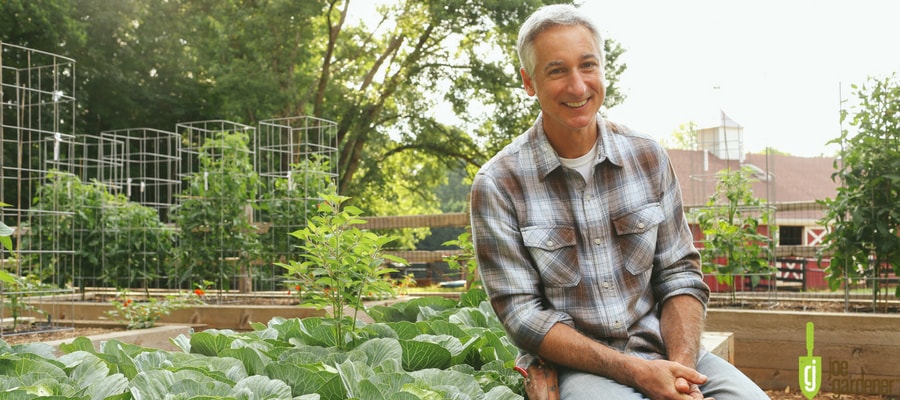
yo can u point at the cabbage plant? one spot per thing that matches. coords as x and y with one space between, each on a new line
425 348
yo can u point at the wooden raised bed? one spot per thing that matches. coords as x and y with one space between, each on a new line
860 352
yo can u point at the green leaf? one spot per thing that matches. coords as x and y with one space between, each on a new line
472 298
209 344
89 371
333 389
302 379
499 346
7 277
29 370
418 355
108 388
5 230
501 393
183 342
441 327
152 384
204 388
263 388
405 329
39 349
379 350
381 313
254 361
118 356
451 382
471 317
353 374
225 369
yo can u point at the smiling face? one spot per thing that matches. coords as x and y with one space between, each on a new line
568 82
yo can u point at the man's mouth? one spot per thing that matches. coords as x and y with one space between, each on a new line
578 104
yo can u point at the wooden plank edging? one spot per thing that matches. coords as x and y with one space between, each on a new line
859 352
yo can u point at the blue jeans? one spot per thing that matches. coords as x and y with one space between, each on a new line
725 382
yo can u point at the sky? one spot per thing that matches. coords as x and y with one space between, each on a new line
779 68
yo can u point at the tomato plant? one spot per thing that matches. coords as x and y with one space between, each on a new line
217 240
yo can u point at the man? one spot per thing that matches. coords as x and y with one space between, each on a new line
581 240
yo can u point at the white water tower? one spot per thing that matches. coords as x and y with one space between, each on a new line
725 141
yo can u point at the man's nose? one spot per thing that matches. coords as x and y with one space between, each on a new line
576 84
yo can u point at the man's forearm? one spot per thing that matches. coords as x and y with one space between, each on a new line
681 324
563 345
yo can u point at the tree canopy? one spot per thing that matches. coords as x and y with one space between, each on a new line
417 88
683 138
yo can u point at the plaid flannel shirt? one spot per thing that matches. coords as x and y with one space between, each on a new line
600 256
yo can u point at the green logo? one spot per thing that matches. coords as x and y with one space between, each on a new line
810 367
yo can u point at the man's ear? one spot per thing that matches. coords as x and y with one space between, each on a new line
527 82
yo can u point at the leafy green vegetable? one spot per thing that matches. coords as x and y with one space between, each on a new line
440 350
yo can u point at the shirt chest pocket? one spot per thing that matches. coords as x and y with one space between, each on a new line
555 254
636 237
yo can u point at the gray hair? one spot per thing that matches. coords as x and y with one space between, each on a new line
547 17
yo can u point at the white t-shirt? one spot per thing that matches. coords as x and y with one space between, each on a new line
583 164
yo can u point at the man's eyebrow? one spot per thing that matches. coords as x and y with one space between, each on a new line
556 63
551 64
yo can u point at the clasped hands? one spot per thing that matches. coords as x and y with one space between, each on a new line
665 380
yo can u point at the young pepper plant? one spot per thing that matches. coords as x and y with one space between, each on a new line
341 264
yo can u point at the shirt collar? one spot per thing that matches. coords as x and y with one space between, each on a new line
546 160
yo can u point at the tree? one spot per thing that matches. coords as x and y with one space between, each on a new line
864 216
683 138
769 150
134 64
430 82
380 84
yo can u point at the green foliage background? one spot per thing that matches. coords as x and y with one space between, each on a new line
417 88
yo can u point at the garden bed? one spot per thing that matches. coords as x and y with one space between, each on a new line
858 351
768 327
43 335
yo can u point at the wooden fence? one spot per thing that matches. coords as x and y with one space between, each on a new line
451 220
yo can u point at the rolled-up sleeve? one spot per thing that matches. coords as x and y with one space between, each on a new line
677 261
507 270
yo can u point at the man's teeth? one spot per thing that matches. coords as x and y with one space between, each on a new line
578 104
